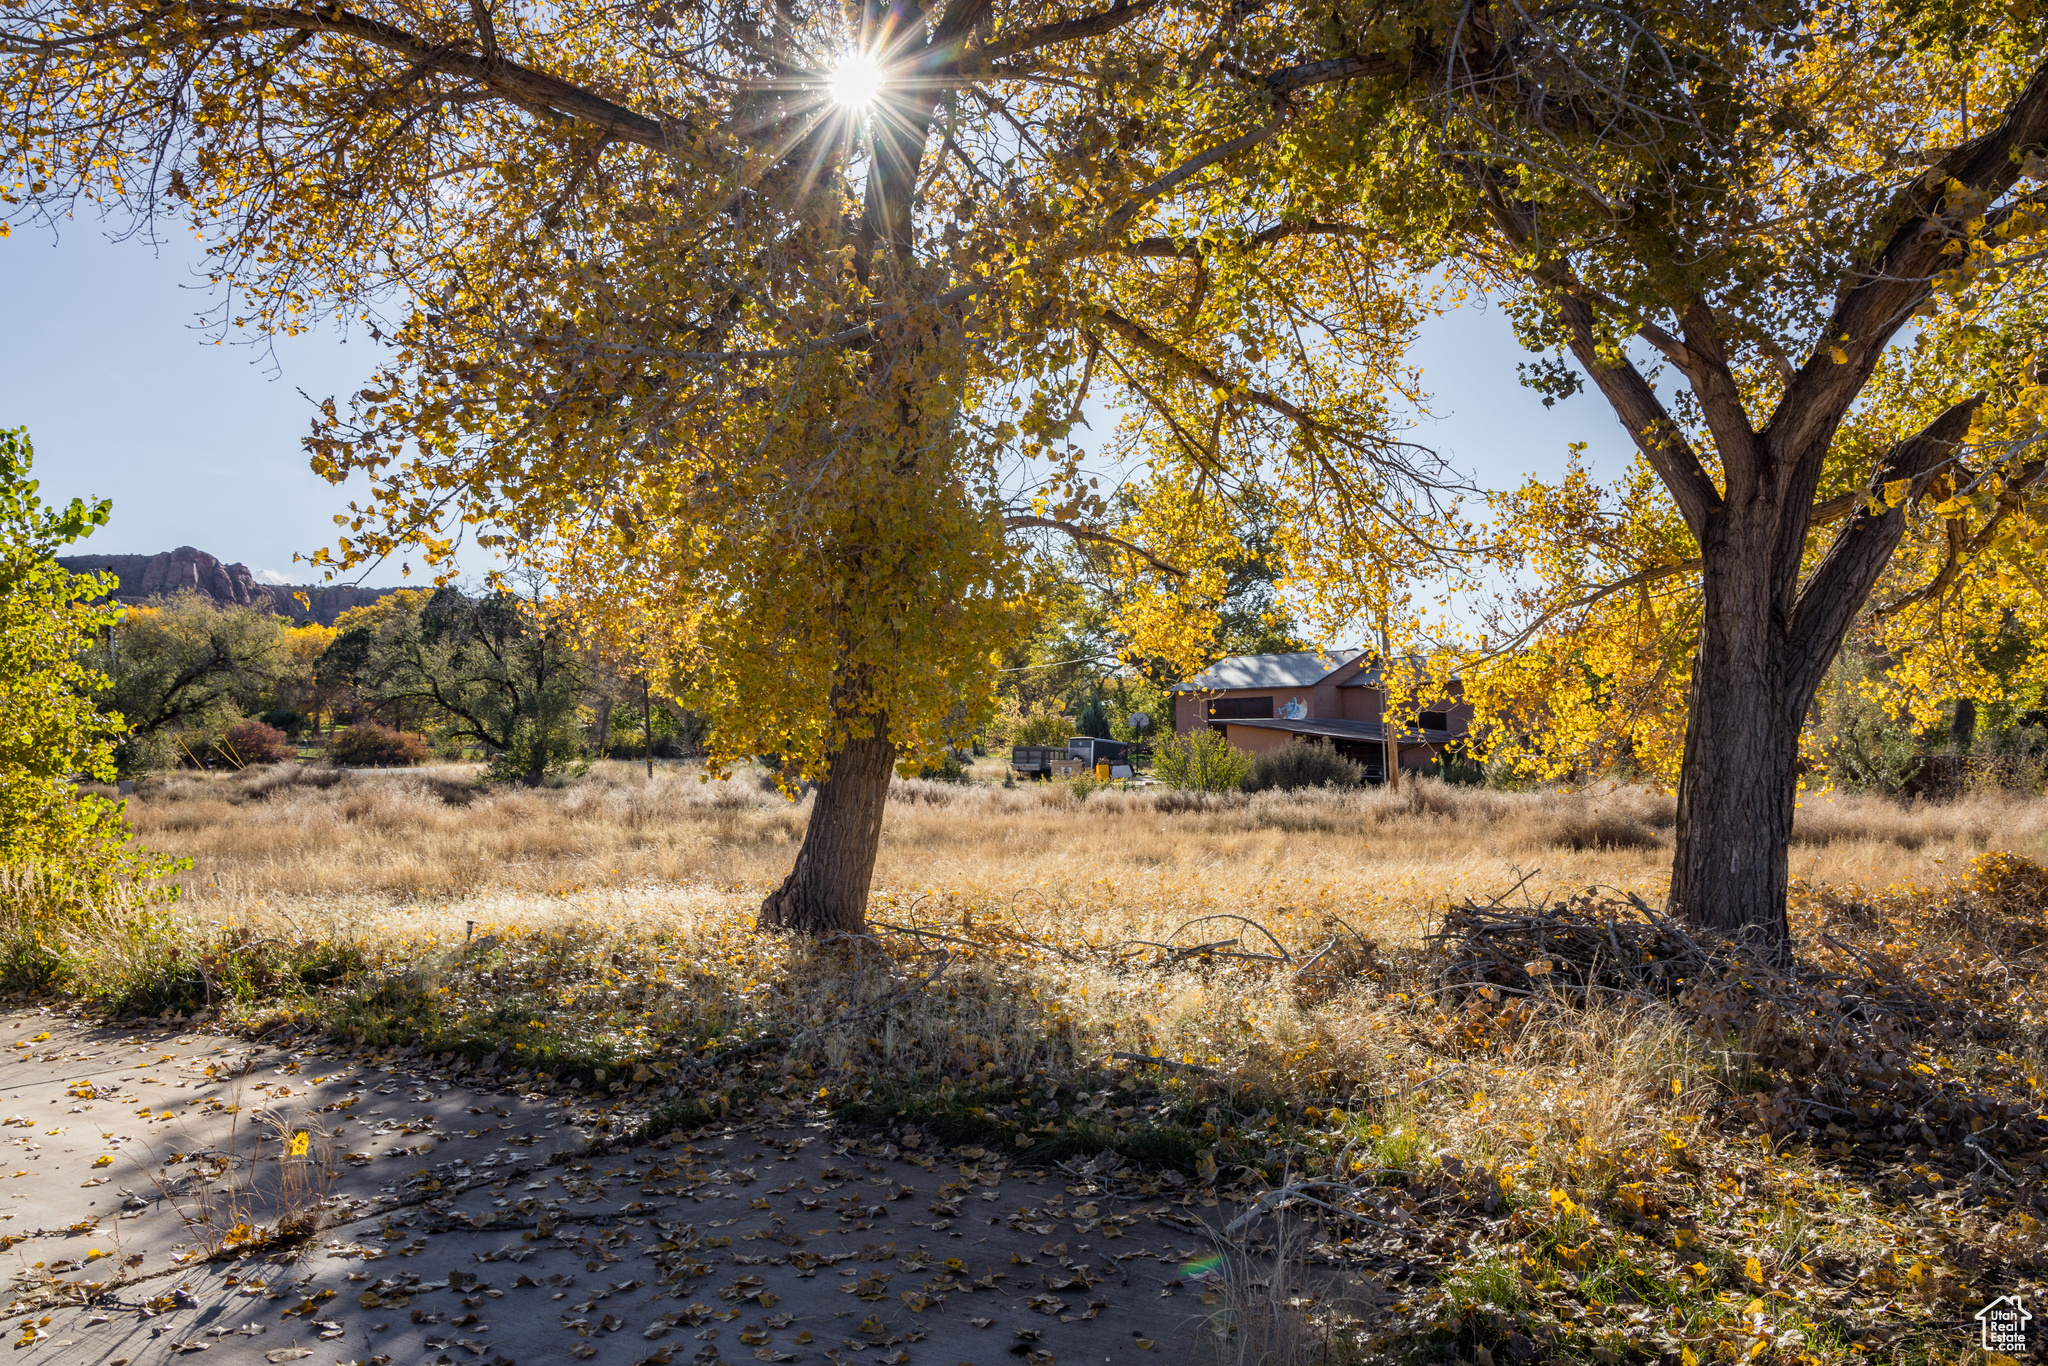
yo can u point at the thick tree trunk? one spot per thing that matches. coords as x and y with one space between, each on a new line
1767 639
1735 791
827 891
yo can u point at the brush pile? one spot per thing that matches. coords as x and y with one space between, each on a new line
1580 948
1881 1042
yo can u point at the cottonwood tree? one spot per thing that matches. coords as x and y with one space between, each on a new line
1794 250
493 668
1728 217
765 328
185 663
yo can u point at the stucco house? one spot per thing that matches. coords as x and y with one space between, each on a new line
1331 697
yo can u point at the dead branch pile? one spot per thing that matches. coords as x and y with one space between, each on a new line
1583 947
1878 1042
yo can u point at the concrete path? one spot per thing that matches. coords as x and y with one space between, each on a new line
457 1225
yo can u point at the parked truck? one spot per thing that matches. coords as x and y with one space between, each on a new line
1080 755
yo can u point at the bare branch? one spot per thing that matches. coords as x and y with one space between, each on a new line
1648 424
1193 166
1193 249
1084 533
1642 578
1160 349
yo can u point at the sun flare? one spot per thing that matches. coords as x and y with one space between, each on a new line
856 81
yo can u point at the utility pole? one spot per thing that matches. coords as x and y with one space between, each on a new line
1387 732
113 647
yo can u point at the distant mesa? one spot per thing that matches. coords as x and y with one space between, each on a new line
155 576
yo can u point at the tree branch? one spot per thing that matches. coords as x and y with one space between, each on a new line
1276 87
534 90
1835 509
1656 435
1642 578
1962 549
1163 350
1193 166
1066 31
1083 533
1670 347
1883 293
1193 249
1713 384
1328 72
1840 584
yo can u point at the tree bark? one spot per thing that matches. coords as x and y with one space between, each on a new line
1736 786
827 891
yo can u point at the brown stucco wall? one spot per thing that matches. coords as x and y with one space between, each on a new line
1255 739
1359 704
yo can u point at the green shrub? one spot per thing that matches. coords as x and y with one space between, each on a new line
543 747
1297 764
946 770
1044 730
1201 761
64 848
370 745
1863 746
1462 770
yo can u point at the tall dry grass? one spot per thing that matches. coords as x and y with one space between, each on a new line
403 865
289 839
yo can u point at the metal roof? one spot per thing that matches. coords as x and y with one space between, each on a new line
1297 670
1343 730
1328 726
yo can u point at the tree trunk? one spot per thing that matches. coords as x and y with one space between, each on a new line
1767 640
1735 790
827 891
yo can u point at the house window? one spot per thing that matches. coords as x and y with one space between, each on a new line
1242 709
1434 720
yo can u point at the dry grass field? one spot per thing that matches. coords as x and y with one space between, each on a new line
316 843
1660 1152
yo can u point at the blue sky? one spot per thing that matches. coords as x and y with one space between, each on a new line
103 361
197 443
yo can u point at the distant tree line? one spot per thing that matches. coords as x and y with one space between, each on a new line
420 673
1859 738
